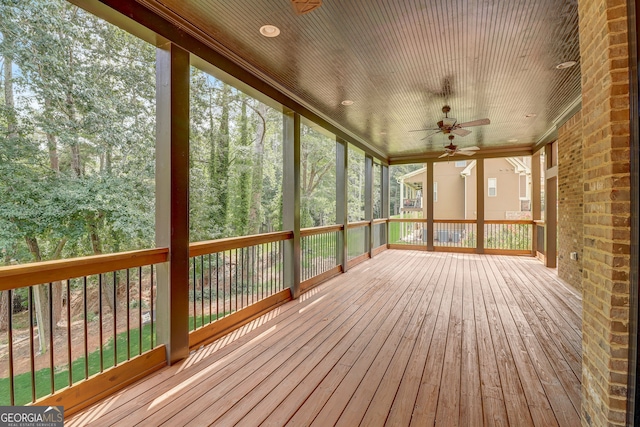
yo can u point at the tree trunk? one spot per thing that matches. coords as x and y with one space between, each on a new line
40 300
57 287
5 310
255 207
52 146
220 163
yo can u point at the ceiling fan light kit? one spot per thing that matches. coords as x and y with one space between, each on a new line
452 150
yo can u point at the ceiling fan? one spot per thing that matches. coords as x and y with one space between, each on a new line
452 150
450 125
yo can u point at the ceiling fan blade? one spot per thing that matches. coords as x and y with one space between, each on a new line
475 123
430 135
461 132
422 130
472 148
443 155
466 153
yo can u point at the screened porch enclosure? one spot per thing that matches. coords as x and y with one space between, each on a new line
257 265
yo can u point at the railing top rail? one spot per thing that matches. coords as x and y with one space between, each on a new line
18 276
358 224
221 245
508 221
380 220
455 221
319 230
407 220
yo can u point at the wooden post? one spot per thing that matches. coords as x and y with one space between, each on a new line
550 207
341 199
291 200
368 201
429 198
536 201
172 198
480 195
385 200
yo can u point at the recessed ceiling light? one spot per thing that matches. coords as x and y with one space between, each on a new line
512 140
531 115
269 31
347 102
566 64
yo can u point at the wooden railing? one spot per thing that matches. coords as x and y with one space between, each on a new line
83 319
500 236
508 236
357 241
320 254
234 280
455 234
408 233
231 282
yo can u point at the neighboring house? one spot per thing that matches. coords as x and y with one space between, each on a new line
507 190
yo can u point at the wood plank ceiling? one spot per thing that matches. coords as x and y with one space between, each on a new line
400 61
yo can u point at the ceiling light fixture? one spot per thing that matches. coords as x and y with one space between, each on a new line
512 140
269 31
347 102
530 115
566 64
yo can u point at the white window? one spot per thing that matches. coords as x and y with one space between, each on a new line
435 191
461 163
492 187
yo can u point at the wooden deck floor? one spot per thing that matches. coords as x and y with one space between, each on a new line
409 338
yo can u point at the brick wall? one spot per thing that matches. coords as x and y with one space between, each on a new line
570 192
605 284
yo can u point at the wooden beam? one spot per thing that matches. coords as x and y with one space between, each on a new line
385 199
172 197
291 200
342 200
429 197
480 206
368 201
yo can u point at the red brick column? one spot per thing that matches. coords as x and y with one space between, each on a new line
605 282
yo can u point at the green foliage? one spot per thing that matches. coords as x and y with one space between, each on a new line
318 178
77 141
236 162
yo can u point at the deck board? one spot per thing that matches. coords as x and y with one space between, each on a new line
407 338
